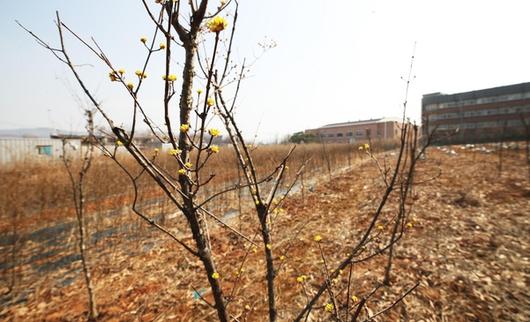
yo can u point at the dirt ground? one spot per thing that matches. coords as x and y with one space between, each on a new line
467 247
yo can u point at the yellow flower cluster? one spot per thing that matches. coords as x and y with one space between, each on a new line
380 227
354 298
121 71
301 278
214 149
170 77
215 275
317 238
329 307
199 91
217 24
140 74
282 258
143 39
210 101
162 45
214 132
119 143
409 225
182 171
188 165
269 246
184 128
174 151
130 86
365 146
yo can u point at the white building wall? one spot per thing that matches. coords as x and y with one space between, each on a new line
32 149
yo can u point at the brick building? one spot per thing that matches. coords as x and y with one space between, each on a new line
486 115
350 132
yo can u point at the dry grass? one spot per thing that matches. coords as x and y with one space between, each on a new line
467 247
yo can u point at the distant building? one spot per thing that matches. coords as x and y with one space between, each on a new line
31 149
350 132
486 115
40 149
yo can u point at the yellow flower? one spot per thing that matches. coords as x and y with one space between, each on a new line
214 149
366 146
317 238
113 77
121 71
214 132
156 150
269 246
174 151
130 86
188 165
182 171
143 39
215 275
210 101
380 227
254 249
301 278
170 77
354 298
409 225
199 91
184 128
162 45
119 143
140 74
217 24
282 258
329 307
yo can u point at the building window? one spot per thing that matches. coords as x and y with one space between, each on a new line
350 134
340 135
359 133
44 149
330 135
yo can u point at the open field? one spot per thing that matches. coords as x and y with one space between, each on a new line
467 246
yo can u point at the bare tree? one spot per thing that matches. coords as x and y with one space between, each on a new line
77 181
185 26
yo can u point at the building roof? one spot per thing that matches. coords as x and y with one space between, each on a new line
436 98
361 122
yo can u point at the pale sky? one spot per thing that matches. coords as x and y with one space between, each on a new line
335 61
